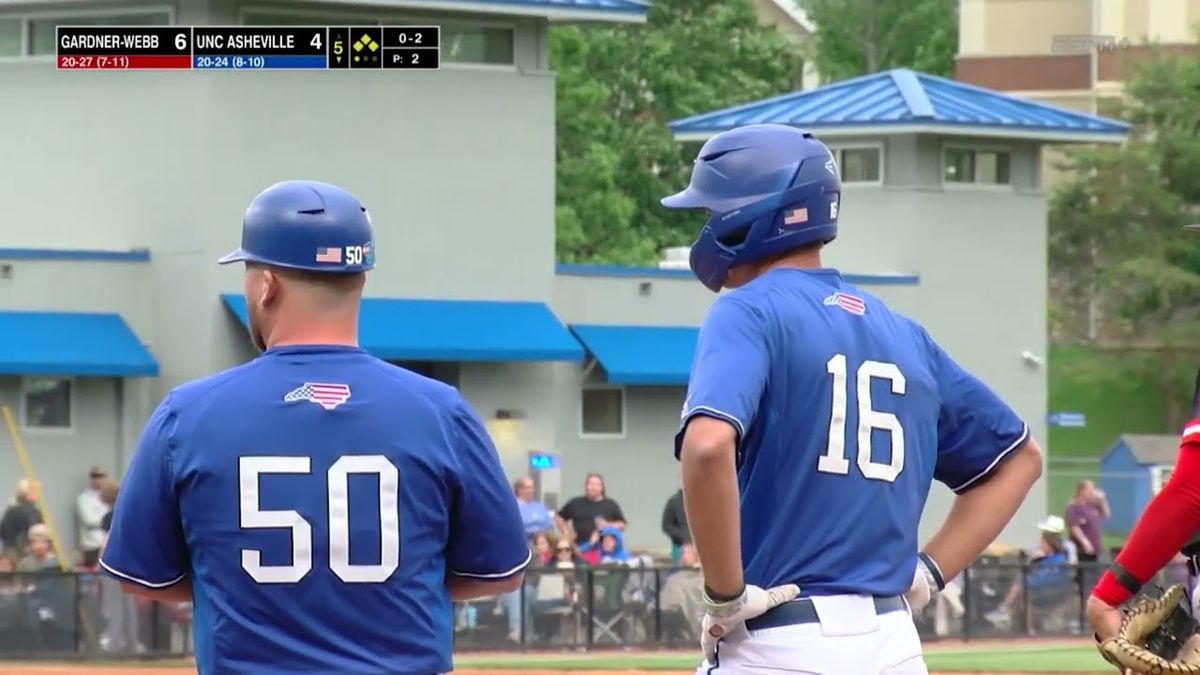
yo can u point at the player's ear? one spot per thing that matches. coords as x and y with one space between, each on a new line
268 289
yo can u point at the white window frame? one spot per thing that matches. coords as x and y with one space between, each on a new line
72 403
976 185
368 17
25 18
877 145
624 413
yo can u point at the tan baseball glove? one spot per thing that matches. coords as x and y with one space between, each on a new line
1157 636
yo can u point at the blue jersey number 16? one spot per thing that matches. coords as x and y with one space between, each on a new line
338 485
834 460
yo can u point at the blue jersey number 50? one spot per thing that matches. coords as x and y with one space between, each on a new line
834 460
338 481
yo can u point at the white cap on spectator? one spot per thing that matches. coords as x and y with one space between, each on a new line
1053 524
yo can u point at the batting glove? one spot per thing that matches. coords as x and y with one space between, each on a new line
927 581
723 618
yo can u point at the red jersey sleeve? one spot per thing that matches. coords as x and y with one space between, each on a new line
1170 519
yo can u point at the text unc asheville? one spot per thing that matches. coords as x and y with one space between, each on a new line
248 42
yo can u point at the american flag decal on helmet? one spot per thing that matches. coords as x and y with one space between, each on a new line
328 396
849 303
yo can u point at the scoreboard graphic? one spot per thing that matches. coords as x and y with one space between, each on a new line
248 47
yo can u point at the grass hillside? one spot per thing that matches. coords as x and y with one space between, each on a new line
1119 392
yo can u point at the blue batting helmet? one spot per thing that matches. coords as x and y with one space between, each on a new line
307 225
767 188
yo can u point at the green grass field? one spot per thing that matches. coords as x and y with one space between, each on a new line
1082 659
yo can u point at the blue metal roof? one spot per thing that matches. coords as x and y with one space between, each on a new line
611 10
642 355
455 330
590 270
62 343
904 101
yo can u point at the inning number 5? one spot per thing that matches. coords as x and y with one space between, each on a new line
338 484
834 460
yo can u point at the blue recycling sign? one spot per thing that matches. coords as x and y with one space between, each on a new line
1067 419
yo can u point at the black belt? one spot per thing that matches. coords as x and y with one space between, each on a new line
802 611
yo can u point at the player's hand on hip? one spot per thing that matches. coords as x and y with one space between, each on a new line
924 586
723 618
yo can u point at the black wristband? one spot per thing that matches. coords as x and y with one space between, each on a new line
934 569
1127 580
719 599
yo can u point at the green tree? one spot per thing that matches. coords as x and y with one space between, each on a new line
618 88
1116 225
858 37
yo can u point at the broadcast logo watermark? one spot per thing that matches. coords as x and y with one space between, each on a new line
1086 44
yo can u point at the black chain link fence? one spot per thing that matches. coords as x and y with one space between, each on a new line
85 615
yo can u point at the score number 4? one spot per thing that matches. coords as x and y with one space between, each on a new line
834 460
337 484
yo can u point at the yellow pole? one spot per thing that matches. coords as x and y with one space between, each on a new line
27 469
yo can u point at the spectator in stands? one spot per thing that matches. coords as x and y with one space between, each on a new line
1049 576
21 515
53 596
41 553
534 514
682 595
675 525
556 593
543 555
89 510
606 547
1086 515
582 516
14 627
543 549
108 496
119 632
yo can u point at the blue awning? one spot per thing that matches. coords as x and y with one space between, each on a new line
646 355
62 343
455 330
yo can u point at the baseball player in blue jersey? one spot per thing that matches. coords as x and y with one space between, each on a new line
816 420
321 508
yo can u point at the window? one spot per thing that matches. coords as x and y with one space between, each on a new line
46 402
978 167
462 43
602 412
991 167
10 37
861 165
41 31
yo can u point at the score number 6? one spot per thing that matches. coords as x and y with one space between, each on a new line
337 485
181 41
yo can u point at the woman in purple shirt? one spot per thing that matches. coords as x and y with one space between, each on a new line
1085 520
